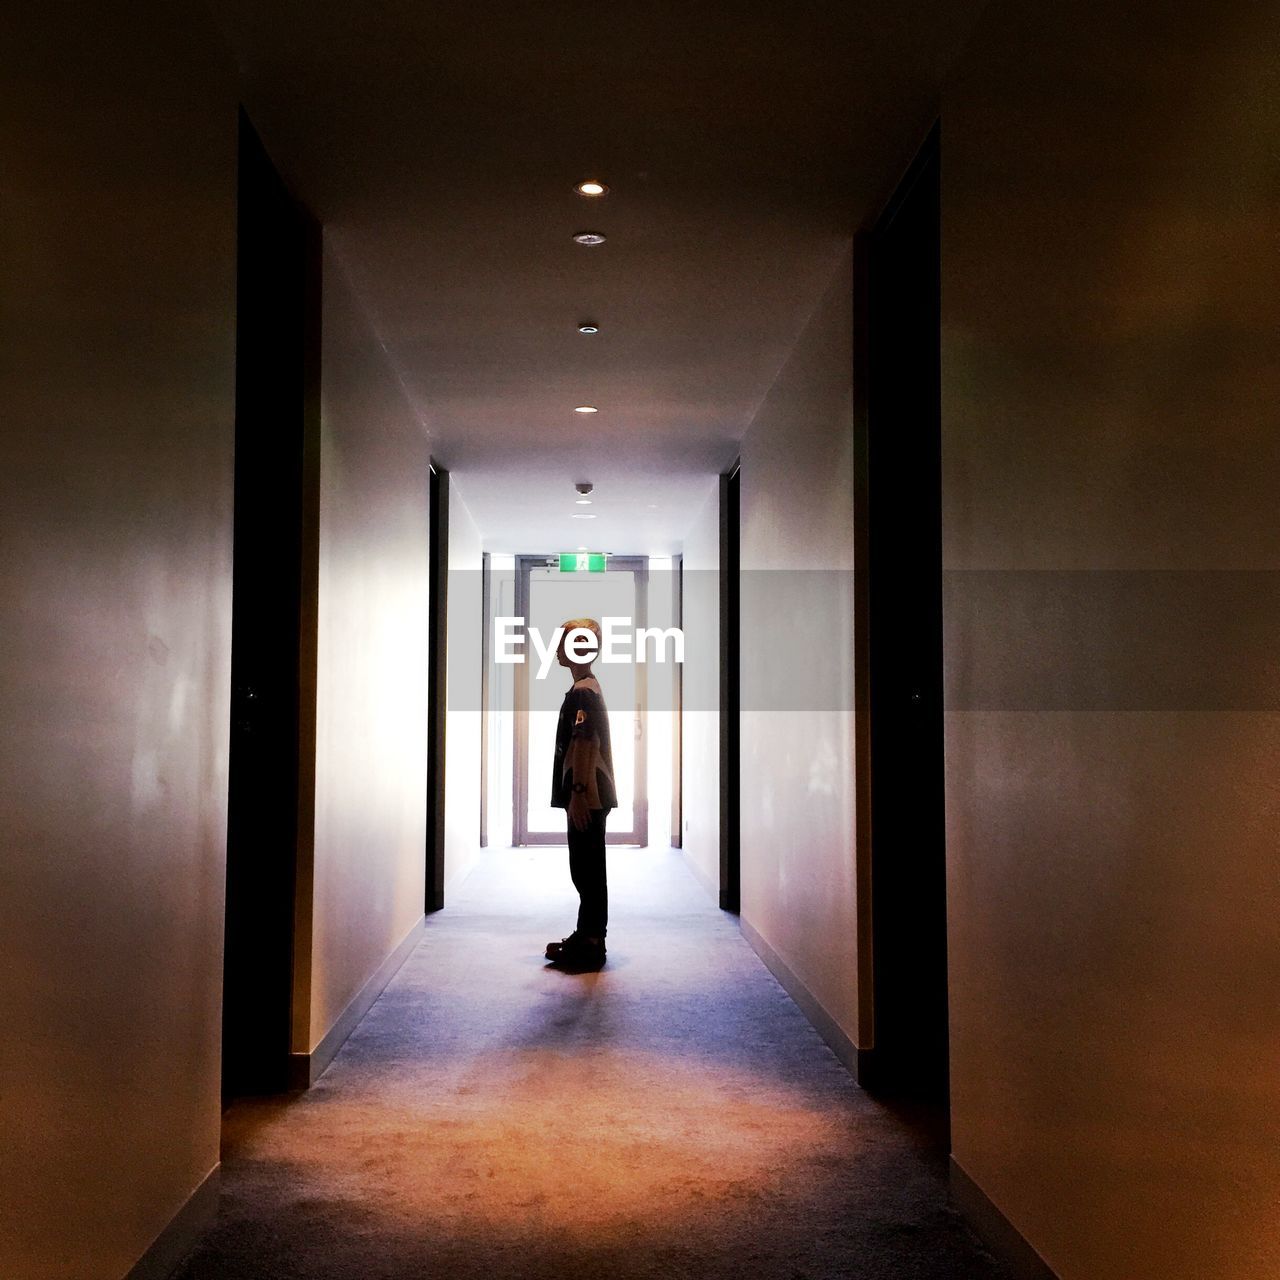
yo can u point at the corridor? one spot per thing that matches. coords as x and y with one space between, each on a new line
674 1115
917 363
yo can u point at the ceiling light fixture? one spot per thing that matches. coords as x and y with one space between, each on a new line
584 515
582 548
586 408
591 188
589 237
584 502
588 327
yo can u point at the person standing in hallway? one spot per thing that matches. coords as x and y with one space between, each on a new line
582 785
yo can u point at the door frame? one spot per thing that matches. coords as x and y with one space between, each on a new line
521 836
902 712
677 709
730 689
271 771
437 683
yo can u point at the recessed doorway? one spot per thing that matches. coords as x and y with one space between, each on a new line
273 618
904 612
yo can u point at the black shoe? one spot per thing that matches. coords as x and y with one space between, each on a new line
575 952
555 949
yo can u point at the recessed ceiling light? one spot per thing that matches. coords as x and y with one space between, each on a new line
586 408
584 515
584 502
589 237
582 548
590 188
588 327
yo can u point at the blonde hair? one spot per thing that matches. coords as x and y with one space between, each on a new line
583 624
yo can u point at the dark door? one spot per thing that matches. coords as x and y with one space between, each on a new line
437 683
904 546
730 687
277 335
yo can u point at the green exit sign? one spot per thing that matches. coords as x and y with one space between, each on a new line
582 561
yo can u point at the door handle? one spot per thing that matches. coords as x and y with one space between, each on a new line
247 701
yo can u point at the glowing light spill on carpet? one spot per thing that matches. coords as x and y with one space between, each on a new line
674 1115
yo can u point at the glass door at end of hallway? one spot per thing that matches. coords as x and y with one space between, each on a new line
546 598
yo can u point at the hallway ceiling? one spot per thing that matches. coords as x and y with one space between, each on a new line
440 143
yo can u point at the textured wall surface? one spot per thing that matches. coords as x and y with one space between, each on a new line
117 380
798 865
371 762
1111 367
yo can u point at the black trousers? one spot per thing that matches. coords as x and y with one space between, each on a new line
587 869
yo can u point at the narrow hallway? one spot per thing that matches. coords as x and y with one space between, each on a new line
673 1115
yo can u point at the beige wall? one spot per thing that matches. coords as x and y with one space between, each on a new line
371 762
462 731
798 865
1111 369
700 760
117 381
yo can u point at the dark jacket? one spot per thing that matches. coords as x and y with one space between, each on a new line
584 716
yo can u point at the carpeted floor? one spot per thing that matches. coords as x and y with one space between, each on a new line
672 1116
